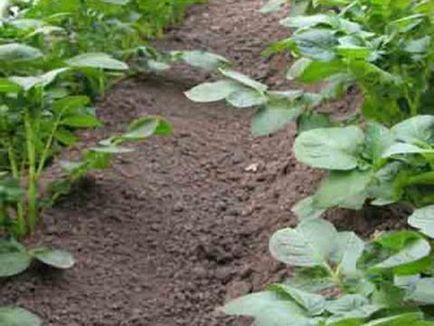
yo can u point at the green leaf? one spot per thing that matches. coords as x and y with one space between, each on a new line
351 306
307 21
308 71
212 92
353 52
246 97
313 303
316 44
268 309
28 83
16 52
330 148
399 320
65 137
204 60
378 139
423 291
403 148
344 189
145 127
419 46
272 5
8 86
423 219
111 150
305 209
398 240
14 258
70 104
60 259
97 60
243 79
15 316
349 250
273 117
313 120
414 251
310 244
416 129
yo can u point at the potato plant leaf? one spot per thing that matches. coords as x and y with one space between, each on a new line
268 308
15 316
411 318
201 59
305 209
212 92
308 71
351 306
272 5
344 189
246 97
423 219
423 291
28 83
414 251
310 244
56 258
8 86
416 129
97 60
14 258
16 52
403 148
314 303
349 250
273 117
330 148
145 127
244 80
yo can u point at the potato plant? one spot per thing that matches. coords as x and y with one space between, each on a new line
384 48
339 279
56 58
380 155
378 164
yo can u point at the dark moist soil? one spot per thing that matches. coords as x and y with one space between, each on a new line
180 226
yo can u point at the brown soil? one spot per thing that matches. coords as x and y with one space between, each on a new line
181 225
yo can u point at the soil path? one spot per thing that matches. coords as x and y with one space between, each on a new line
181 225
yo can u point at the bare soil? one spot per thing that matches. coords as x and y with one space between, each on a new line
180 226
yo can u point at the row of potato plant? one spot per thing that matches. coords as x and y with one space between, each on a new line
56 58
386 53
379 155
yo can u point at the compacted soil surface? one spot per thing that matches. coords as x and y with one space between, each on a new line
180 226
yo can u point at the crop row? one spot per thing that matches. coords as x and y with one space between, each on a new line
380 154
56 59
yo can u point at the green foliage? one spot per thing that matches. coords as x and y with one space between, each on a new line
385 49
51 53
13 316
382 47
56 58
378 164
386 281
16 258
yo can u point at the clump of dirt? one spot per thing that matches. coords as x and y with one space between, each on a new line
181 225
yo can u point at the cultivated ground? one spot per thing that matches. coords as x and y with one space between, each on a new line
181 225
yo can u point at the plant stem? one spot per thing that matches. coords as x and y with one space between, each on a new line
32 188
335 275
47 147
21 222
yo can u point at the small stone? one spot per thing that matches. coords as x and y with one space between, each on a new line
178 207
